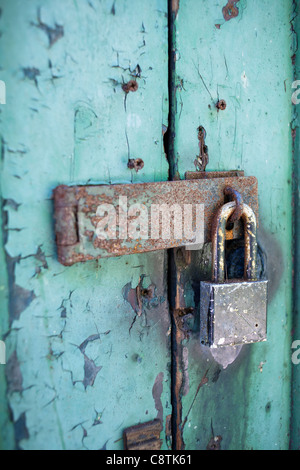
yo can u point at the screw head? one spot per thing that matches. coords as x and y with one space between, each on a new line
132 85
221 105
137 164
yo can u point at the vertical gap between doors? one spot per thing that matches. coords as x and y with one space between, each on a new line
177 443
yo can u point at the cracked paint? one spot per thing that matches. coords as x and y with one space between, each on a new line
214 73
66 330
19 297
21 430
53 33
90 372
140 297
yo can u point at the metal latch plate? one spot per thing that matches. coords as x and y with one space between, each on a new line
77 214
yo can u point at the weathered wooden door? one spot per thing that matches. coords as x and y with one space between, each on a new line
97 347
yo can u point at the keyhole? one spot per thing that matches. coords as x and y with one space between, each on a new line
229 226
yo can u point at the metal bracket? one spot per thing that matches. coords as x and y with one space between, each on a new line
81 210
145 436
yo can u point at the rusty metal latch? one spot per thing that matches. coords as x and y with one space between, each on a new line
99 221
145 436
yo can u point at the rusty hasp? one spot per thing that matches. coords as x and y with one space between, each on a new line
100 221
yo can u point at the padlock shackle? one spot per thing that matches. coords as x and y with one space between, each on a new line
218 242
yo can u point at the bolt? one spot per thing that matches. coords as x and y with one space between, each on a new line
136 164
221 105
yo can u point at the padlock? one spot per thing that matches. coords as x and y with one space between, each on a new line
233 312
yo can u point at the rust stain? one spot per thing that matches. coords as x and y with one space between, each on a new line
137 164
181 261
178 338
144 436
195 175
175 6
202 160
236 196
230 10
132 85
221 105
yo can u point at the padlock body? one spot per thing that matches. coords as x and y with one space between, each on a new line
233 313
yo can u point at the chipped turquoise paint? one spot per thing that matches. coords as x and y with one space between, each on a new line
295 419
73 340
247 62
83 362
7 432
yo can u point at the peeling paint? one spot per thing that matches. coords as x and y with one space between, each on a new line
31 73
245 80
13 374
156 393
21 430
139 297
90 372
185 371
113 8
19 297
64 364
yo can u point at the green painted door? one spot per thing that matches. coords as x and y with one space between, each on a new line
242 54
97 347
84 362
